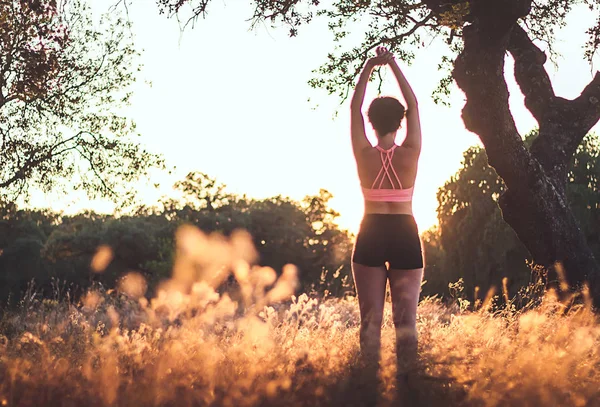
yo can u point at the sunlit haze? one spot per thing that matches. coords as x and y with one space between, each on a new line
234 103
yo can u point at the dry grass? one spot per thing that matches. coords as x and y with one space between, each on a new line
193 346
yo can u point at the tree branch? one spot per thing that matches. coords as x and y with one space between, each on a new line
479 72
364 55
563 123
90 160
33 162
566 124
530 73
588 104
7 65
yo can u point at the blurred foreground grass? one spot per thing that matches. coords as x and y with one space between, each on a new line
193 345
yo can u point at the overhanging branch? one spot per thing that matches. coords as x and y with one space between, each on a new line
384 40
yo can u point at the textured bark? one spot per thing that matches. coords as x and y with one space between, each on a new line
534 204
563 123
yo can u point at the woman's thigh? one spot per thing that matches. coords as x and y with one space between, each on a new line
370 287
405 288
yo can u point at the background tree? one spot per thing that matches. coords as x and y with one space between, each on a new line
437 276
283 230
47 247
63 78
479 34
482 249
22 238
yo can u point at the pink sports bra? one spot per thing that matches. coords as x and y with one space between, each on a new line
387 194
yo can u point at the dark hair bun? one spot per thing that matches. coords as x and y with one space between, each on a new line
385 114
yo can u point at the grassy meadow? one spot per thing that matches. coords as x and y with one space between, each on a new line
254 343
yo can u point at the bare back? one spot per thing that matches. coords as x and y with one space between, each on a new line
404 162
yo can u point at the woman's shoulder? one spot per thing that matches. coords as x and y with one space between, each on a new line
364 152
406 153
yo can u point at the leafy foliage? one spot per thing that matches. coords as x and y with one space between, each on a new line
404 26
45 246
63 78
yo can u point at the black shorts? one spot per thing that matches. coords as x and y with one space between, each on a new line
388 238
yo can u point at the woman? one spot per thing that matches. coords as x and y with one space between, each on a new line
388 244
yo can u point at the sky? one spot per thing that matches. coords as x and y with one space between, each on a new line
235 103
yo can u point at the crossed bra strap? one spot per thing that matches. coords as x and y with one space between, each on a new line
386 165
376 192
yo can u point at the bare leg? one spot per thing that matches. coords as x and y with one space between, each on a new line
370 288
405 287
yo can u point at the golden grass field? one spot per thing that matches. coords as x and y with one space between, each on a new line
193 346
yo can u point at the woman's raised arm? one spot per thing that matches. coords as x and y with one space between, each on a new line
413 123
357 122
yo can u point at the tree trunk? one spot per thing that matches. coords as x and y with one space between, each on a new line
534 204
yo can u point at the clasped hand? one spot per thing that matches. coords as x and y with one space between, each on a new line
383 57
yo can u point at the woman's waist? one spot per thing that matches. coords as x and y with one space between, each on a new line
390 222
389 208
